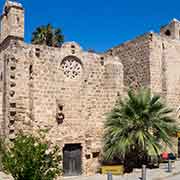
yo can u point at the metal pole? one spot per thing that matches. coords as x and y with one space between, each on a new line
109 176
143 172
169 165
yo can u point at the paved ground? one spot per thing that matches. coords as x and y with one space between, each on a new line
177 177
152 174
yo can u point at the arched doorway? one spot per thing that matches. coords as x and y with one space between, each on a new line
72 161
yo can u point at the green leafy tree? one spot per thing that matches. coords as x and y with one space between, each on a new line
27 158
138 127
48 35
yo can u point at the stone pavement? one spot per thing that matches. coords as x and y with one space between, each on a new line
176 177
152 174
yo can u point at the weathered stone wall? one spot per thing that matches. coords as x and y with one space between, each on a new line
165 74
171 30
41 81
152 61
67 91
5 58
134 56
1 111
1 93
37 83
12 21
4 176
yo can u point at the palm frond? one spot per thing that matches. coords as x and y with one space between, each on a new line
140 122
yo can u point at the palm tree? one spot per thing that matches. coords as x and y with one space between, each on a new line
140 126
47 35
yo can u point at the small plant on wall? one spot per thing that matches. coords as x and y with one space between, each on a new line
28 158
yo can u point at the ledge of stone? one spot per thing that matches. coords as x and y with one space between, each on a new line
4 176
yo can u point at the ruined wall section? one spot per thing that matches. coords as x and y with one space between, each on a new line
12 21
1 113
165 74
157 67
2 125
43 83
15 88
134 56
83 99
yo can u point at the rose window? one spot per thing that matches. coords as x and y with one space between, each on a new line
71 67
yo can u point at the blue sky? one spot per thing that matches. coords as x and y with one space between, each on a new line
99 24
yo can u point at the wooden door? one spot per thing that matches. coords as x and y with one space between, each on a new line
178 147
72 160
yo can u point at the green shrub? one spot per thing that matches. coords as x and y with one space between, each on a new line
28 158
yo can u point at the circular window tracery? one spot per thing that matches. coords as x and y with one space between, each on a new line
71 67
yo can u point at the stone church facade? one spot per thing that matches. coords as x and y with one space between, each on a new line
67 91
